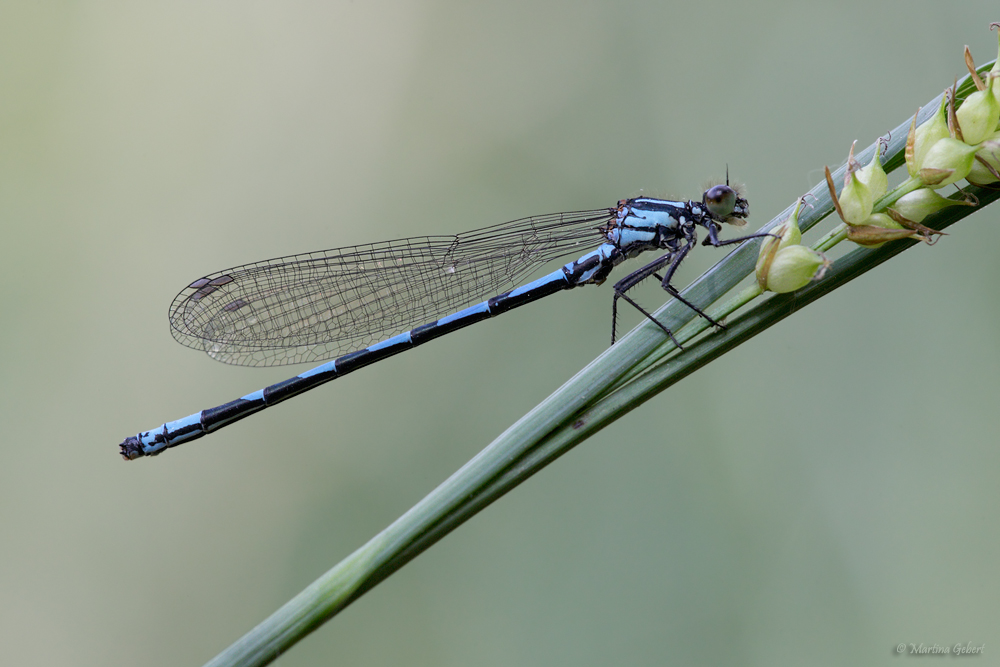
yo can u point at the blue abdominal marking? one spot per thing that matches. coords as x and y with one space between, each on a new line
340 303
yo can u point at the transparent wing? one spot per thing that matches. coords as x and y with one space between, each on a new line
320 305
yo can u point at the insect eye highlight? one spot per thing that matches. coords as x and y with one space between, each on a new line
720 200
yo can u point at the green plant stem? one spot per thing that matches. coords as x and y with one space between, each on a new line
616 382
890 198
832 238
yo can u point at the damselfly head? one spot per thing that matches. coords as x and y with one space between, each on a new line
726 205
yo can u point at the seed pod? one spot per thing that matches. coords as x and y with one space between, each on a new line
947 161
918 204
979 114
795 267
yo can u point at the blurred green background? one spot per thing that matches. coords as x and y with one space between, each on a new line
824 493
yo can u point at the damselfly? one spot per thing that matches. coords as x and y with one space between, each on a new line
339 303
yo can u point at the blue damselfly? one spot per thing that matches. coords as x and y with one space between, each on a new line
357 304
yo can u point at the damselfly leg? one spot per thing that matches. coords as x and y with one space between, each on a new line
672 260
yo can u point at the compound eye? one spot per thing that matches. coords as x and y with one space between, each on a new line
721 201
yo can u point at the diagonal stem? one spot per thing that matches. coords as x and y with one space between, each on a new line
616 382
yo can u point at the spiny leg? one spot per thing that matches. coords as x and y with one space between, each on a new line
674 259
630 281
674 292
713 237
647 314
